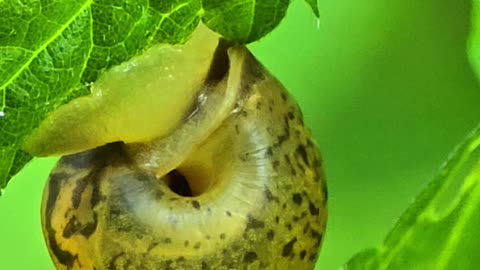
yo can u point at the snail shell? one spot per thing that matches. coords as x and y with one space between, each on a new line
234 183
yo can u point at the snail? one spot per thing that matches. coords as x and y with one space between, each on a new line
185 157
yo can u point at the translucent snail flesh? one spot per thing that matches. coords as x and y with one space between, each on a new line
186 157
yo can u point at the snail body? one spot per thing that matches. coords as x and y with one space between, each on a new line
236 184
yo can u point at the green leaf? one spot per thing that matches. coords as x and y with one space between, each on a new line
243 20
51 51
314 5
440 230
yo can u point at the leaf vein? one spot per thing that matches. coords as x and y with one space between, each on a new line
40 49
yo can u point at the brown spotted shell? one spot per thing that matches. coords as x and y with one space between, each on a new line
250 195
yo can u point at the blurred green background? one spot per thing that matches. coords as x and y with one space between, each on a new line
387 90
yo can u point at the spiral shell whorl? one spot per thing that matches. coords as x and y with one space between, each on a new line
261 203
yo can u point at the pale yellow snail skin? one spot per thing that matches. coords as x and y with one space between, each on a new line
208 166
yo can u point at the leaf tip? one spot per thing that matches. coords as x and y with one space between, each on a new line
314 6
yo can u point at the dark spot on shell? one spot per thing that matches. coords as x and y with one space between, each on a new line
306 227
196 204
259 105
325 192
300 118
96 195
71 228
277 219
152 246
303 153
290 115
287 159
313 209
205 266
80 187
297 198
186 243
289 163
284 96
316 235
303 215
298 134
288 247
283 138
303 253
244 113
270 235
313 256
228 213
289 226
253 223
197 245
222 236
250 257
286 121
89 228
276 164
268 152
269 195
